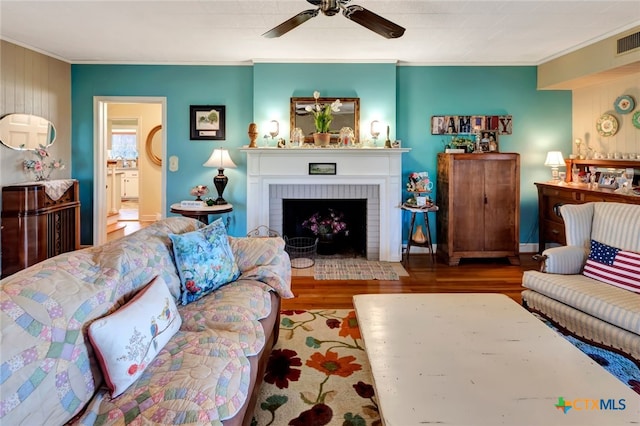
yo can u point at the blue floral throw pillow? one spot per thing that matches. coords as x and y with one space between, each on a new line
204 261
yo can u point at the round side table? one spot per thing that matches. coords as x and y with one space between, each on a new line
428 243
201 213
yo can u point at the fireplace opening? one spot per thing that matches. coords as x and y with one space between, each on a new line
352 242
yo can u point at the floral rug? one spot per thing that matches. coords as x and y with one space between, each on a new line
318 373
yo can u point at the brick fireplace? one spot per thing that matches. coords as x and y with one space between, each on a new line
373 174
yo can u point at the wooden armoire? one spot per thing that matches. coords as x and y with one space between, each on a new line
35 226
479 200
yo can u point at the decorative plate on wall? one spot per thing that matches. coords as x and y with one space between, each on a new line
636 119
624 104
607 125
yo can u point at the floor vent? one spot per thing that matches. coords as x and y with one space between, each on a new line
630 42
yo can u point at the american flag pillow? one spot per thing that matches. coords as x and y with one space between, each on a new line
613 266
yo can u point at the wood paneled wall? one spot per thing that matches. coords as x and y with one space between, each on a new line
589 103
33 83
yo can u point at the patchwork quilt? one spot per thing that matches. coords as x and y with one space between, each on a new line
48 373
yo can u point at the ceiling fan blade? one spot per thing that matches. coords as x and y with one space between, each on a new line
375 23
315 2
290 24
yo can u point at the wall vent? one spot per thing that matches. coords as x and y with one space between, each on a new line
630 42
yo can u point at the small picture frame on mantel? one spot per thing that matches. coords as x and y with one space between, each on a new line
322 168
207 122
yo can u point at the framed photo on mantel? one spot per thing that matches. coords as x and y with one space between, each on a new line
207 122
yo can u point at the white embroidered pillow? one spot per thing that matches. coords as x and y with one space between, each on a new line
126 341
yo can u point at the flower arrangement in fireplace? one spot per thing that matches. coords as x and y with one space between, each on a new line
331 222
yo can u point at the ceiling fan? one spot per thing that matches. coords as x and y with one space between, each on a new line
357 14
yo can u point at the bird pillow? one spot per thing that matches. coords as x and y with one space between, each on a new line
126 341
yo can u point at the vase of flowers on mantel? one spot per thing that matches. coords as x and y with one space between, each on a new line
323 116
321 139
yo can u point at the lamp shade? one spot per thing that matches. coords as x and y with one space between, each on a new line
375 128
554 159
274 128
220 158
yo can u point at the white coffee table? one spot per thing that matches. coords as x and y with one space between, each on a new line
480 359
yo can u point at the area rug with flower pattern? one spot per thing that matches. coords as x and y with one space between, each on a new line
318 373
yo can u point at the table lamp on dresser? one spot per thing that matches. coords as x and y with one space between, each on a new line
554 160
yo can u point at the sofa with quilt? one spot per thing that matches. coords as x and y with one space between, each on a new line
591 286
172 324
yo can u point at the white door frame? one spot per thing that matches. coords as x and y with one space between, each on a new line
100 158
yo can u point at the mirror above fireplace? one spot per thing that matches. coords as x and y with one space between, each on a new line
348 116
26 131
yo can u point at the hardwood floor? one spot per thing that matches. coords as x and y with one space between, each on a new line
471 276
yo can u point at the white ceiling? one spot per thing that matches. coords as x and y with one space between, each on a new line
450 32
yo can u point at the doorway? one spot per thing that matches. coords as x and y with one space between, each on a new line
135 171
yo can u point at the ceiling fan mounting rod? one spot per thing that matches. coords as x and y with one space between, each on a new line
330 7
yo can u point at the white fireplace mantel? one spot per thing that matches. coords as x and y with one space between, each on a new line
354 166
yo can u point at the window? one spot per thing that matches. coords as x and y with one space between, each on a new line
124 140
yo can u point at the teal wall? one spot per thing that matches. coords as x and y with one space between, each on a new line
405 97
374 84
183 86
541 121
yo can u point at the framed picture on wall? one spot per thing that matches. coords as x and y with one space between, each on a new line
207 122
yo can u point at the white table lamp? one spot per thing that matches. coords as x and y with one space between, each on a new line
554 160
220 158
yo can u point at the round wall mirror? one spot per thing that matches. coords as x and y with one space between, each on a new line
26 132
154 145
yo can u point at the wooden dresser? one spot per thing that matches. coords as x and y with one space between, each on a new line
552 195
479 200
36 227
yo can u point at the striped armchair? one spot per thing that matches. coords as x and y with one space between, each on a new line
591 309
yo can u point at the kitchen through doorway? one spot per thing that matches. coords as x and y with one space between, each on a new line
131 140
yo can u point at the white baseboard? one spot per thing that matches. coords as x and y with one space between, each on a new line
148 218
524 248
